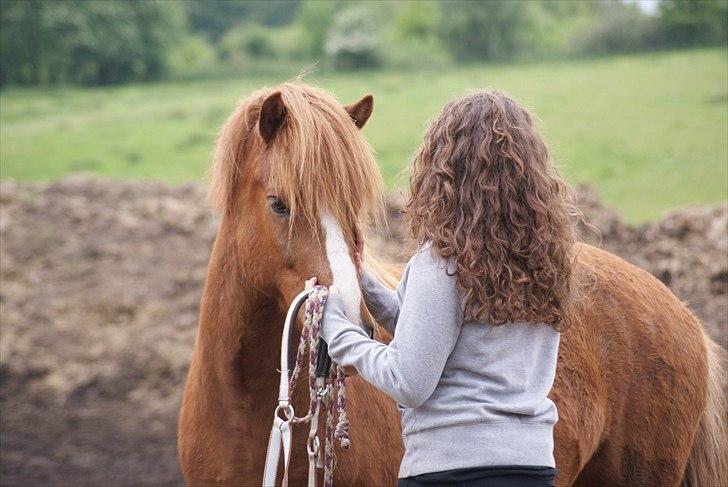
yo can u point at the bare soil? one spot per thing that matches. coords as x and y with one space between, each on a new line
100 284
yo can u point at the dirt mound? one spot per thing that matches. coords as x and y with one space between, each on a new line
687 250
99 299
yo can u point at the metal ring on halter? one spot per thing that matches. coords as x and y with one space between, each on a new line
313 445
289 412
322 392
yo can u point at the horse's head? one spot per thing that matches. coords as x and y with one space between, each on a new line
293 177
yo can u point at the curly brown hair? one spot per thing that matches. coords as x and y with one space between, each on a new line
485 193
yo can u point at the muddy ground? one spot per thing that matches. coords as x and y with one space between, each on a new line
100 283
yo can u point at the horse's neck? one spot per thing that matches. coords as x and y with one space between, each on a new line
237 347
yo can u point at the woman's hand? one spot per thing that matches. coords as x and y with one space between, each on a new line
310 283
348 371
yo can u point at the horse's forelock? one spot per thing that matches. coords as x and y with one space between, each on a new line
318 159
321 161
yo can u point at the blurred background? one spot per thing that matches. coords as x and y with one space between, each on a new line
108 115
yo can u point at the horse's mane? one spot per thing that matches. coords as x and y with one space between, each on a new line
318 159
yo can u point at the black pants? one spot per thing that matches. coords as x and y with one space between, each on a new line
501 476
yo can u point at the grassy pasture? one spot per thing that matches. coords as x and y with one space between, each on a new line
650 131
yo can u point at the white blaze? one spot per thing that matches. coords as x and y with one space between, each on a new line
342 267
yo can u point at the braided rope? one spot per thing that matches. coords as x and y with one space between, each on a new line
342 427
329 442
312 321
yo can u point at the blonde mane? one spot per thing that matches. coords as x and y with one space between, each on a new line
318 159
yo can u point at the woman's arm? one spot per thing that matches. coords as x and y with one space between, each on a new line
428 327
381 301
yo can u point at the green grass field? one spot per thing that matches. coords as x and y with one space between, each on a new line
650 131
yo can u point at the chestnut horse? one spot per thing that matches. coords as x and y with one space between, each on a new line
639 385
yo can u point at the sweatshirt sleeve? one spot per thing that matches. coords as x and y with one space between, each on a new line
381 301
409 368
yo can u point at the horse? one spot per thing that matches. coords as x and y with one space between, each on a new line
639 384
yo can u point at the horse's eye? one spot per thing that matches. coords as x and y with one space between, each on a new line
278 206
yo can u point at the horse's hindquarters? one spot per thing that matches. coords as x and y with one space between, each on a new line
631 382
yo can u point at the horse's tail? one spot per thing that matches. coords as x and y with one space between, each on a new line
708 463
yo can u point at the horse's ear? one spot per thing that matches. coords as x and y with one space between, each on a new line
361 110
272 116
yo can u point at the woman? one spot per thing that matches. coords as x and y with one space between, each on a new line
477 314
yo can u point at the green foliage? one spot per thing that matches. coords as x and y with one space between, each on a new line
412 41
192 55
505 30
246 41
488 30
88 42
353 42
114 41
694 22
215 17
253 42
558 24
417 20
619 28
315 18
289 43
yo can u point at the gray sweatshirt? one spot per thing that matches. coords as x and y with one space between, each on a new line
470 395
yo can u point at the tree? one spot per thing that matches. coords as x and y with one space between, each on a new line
493 30
214 18
353 40
89 42
315 18
417 19
694 22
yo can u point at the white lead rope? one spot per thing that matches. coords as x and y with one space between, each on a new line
280 434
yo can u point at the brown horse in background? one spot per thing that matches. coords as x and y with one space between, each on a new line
639 385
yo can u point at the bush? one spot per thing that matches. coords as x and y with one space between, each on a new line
88 42
315 19
245 42
490 31
353 40
289 42
620 29
253 42
193 55
417 19
698 22
213 18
